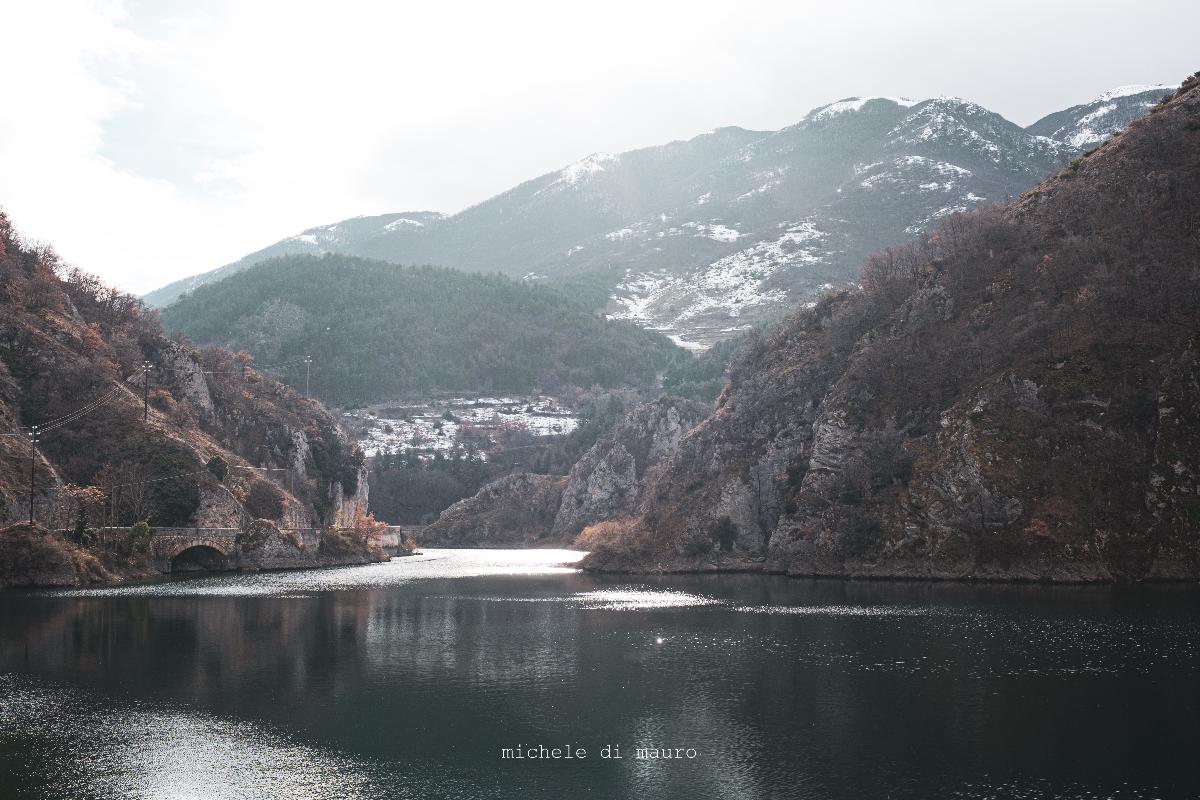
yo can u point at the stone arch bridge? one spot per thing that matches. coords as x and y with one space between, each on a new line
185 549
213 549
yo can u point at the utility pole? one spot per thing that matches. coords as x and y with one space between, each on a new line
145 391
307 373
33 440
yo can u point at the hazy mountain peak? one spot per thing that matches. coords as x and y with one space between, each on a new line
323 238
1087 125
952 106
850 105
581 170
1134 89
727 130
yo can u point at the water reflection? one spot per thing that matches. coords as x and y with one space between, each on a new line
429 564
406 679
130 751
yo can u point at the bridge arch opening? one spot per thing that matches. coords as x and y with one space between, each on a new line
199 558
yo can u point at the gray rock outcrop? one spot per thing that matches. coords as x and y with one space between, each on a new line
515 511
606 482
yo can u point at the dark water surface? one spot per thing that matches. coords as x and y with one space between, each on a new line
405 680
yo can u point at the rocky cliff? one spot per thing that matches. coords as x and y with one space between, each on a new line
136 425
515 511
607 481
1015 397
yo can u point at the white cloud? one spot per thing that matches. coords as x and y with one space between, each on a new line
152 139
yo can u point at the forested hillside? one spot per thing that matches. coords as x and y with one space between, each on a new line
209 441
377 331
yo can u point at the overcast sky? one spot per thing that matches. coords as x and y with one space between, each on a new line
151 139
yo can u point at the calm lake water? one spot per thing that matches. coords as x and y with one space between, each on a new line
407 679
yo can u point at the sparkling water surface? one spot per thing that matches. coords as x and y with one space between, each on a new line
409 680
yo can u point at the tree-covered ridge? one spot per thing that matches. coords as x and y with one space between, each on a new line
377 330
132 425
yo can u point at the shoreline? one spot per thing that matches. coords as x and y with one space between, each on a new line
761 566
169 577
33 558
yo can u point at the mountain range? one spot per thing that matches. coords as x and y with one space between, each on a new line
701 238
1015 396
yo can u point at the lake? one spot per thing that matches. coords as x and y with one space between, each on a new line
411 679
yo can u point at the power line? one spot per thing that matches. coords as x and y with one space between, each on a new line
92 406
82 409
186 475
74 417
288 470
242 371
157 480
146 367
36 430
80 412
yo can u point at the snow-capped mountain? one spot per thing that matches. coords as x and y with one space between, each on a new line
1087 125
703 237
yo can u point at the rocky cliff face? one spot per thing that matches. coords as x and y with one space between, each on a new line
349 506
606 482
72 353
1015 397
515 511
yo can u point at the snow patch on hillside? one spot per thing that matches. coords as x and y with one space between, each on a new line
725 289
965 203
319 238
585 168
715 231
403 222
1109 116
695 347
770 179
637 294
940 126
852 104
928 174
1135 89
